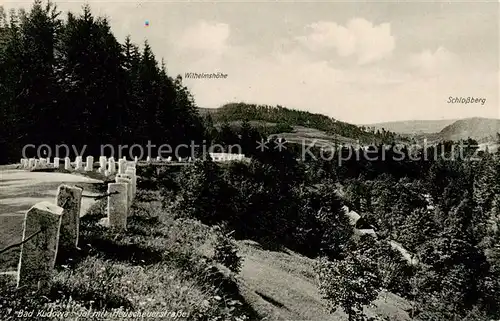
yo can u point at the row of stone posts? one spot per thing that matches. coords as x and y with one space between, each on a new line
107 167
121 194
50 227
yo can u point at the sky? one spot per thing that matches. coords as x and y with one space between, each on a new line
358 62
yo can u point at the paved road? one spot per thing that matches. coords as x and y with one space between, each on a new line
20 189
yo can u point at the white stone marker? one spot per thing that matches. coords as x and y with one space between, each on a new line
78 163
38 255
117 205
47 160
69 198
102 161
56 162
133 177
136 159
148 159
67 164
89 164
122 166
129 188
111 166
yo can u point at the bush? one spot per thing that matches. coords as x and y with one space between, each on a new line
226 251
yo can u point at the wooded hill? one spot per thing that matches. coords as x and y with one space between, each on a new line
290 120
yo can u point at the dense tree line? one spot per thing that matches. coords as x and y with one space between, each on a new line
443 210
69 81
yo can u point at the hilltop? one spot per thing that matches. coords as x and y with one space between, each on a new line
296 125
476 128
483 130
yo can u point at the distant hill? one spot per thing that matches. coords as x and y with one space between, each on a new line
480 129
302 124
309 127
414 126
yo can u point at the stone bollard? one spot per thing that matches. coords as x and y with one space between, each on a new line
133 177
111 166
136 159
122 166
129 188
69 198
48 160
102 161
56 162
38 254
148 159
118 205
67 164
89 164
78 163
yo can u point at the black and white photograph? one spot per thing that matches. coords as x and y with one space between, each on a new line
250 160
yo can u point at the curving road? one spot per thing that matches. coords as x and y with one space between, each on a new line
20 189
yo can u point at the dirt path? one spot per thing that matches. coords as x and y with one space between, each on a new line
283 286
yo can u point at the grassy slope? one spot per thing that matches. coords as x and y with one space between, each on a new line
162 263
156 265
300 134
283 286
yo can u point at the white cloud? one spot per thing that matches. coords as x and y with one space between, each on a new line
206 36
358 38
434 63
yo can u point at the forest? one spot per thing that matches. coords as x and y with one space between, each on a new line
69 80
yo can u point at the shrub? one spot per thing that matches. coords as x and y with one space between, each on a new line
226 251
349 284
